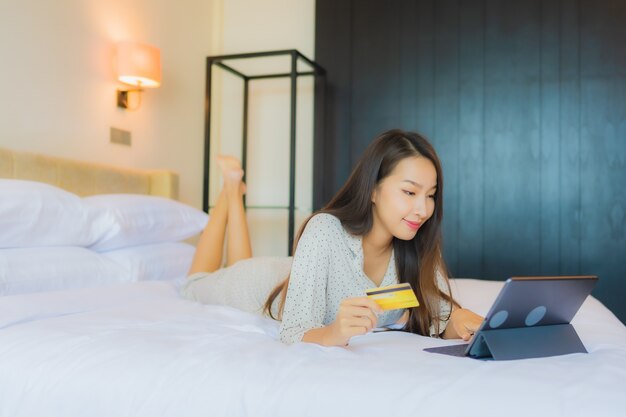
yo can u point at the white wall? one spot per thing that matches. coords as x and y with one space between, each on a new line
254 26
57 83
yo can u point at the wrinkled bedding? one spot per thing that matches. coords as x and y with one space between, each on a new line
141 350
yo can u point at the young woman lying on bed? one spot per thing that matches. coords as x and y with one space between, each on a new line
383 227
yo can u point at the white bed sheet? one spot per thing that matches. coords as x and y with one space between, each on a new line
140 350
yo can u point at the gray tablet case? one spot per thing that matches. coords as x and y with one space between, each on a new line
529 319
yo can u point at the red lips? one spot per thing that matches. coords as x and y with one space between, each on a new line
412 225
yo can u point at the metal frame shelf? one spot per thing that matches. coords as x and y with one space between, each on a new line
221 61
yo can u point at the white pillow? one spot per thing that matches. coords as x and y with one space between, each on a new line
38 214
157 262
140 220
28 270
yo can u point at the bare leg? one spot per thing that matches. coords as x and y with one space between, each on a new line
208 256
229 209
238 246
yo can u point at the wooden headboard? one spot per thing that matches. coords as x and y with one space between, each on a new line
85 178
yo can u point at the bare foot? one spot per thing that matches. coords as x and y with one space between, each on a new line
231 168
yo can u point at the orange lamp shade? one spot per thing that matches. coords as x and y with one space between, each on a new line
138 64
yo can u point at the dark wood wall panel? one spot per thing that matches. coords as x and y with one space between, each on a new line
334 29
603 146
446 116
549 128
471 178
525 102
511 129
409 19
375 72
569 140
425 69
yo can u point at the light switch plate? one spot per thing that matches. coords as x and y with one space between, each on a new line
119 136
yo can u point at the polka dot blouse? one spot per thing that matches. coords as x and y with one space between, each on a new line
328 268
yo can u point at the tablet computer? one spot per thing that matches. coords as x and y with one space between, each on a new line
527 303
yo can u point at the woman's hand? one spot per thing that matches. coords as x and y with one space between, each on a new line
356 316
462 325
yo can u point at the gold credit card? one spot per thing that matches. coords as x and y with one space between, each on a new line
394 296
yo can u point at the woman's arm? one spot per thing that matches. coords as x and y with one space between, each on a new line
304 315
463 324
404 318
305 302
356 316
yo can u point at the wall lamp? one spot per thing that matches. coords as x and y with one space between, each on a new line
138 65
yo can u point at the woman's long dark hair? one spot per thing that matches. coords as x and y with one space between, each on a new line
418 259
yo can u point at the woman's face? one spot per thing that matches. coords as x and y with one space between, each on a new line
405 199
